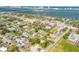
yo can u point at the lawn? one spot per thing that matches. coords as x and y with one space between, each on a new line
64 46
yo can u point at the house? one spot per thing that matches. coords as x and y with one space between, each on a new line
35 48
74 37
59 24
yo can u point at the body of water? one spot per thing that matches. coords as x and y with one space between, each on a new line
58 13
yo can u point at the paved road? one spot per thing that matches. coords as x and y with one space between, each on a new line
56 40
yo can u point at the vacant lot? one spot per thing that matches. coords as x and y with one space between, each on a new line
64 46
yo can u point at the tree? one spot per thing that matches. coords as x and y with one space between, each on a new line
11 49
66 36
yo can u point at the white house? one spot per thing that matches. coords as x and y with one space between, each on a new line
35 48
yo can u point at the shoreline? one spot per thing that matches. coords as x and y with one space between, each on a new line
70 18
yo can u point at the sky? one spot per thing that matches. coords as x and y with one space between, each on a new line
39 2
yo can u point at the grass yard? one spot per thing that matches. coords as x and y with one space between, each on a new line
64 46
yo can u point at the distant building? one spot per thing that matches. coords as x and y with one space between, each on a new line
74 37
